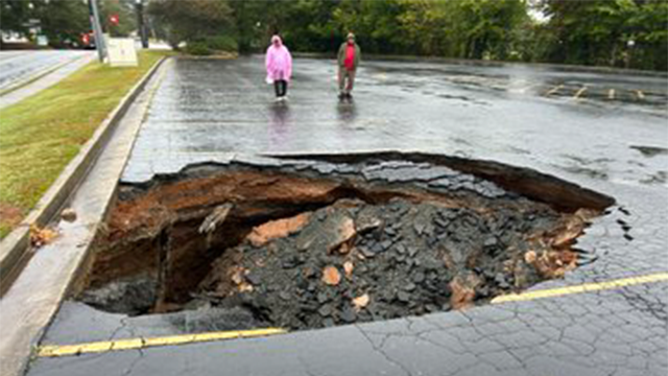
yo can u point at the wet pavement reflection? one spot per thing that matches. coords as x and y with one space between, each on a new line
207 109
279 122
347 111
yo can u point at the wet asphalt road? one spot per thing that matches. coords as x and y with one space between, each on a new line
210 110
17 66
207 107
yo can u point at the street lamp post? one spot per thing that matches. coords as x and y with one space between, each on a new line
630 44
97 29
141 27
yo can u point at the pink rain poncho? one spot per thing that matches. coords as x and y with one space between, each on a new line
278 61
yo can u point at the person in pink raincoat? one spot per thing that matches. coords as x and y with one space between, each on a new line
279 67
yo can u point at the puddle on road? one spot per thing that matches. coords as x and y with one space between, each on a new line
351 239
650 151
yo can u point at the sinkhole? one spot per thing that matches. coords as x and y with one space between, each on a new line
317 241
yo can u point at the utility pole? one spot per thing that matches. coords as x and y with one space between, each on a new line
97 29
141 27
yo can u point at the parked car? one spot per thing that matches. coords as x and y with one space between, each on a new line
88 40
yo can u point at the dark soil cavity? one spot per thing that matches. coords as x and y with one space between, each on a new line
315 244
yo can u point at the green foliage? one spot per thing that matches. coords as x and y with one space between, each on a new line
60 20
310 26
211 45
198 49
595 32
63 21
459 28
13 15
598 32
126 12
249 22
192 20
222 43
41 134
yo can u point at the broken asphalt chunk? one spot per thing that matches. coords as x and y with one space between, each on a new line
331 276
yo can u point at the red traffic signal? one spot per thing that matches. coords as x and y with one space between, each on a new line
113 19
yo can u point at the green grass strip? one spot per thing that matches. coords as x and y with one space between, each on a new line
41 134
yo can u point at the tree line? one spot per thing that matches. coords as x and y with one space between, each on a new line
618 33
64 21
621 33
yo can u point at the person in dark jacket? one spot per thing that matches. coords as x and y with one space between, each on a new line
349 59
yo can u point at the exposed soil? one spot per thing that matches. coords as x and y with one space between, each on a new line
293 248
10 215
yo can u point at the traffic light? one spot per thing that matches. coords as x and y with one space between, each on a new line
113 19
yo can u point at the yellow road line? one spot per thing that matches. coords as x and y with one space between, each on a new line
554 90
141 343
580 92
524 89
577 289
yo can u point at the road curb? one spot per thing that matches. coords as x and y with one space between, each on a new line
15 250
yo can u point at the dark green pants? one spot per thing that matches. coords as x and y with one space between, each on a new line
346 80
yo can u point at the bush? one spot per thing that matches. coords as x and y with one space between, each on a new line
198 49
211 45
222 43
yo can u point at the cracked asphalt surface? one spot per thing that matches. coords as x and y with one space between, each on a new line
215 110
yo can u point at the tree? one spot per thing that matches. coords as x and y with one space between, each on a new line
485 28
312 27
13 15
598 32
579 32
63 21
374 22
586 31
125 10
192 20
424 27
647 26
246 18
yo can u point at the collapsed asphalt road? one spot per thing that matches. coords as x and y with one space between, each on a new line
256 247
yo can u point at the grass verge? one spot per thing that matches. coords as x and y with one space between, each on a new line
41 134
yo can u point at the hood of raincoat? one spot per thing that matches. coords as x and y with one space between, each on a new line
278 61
